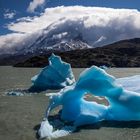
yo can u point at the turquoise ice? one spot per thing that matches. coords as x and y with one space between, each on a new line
56 75
124 105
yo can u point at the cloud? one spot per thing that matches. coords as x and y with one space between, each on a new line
11 43
35 4
97 26
9 14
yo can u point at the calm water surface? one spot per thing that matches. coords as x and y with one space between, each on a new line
12 78
19 116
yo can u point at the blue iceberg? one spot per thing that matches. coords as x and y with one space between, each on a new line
56 75
124 105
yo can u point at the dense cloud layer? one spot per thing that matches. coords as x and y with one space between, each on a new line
96 26
12 43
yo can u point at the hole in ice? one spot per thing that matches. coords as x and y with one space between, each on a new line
98 99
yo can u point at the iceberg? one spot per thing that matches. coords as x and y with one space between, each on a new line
56 75
124 105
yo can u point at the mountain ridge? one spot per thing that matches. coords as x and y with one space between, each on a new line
124 53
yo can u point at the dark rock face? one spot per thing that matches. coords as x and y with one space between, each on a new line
120 54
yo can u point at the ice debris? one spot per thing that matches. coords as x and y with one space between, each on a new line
124 105
56 75
14 93
104 67
46 130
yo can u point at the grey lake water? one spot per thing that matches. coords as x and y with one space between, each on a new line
20 116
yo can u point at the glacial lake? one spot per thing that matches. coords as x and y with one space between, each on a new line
20 116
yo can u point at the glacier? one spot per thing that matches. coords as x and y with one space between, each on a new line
56 75
123 104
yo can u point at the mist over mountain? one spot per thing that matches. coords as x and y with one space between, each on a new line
69 28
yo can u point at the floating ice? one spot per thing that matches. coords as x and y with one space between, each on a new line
14 93
124 105
55 76
104 67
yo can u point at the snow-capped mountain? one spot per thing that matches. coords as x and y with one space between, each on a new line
64 38
43 45
49 39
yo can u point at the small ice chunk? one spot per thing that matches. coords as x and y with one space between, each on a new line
14 93
104 67
45 129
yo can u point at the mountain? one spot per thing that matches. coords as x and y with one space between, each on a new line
53 40
66 28
125 53
48 39
41 45
44 46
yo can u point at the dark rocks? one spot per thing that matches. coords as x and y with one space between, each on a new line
124 53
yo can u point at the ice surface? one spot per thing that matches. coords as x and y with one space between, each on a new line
131 83
46 130
124 105
55 76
